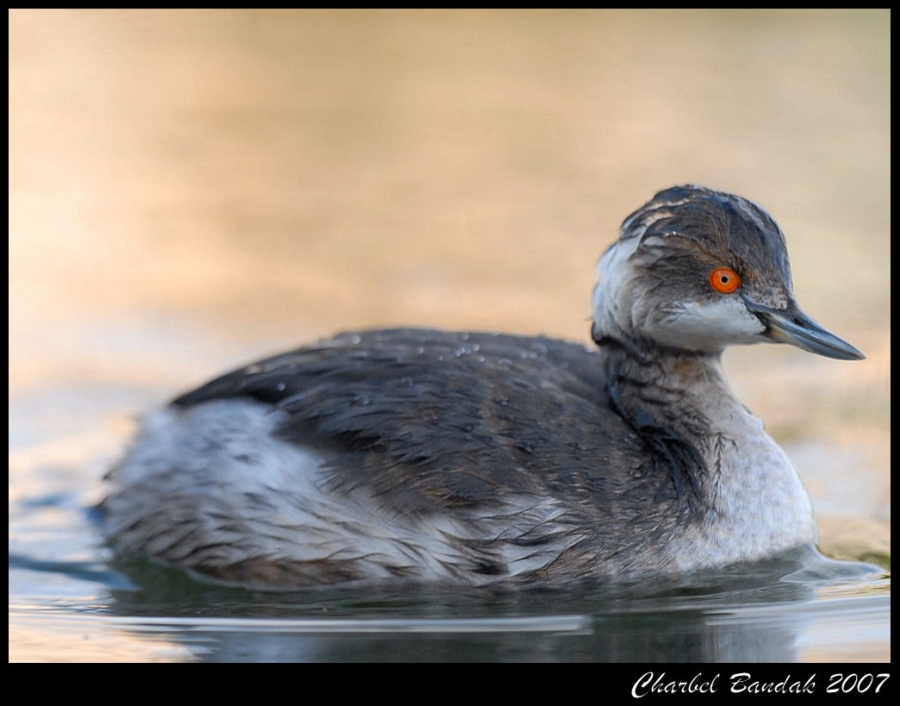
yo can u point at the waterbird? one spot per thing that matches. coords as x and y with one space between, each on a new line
419 455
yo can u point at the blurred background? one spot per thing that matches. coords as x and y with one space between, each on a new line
192 189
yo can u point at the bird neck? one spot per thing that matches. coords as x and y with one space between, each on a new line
674 400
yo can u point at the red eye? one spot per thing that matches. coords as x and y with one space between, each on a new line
724 280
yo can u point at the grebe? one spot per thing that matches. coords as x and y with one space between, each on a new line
421 455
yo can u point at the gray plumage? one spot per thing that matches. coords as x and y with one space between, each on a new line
473 458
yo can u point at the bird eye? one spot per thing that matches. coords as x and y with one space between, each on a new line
724 280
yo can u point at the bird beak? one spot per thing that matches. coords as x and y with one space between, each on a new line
792 326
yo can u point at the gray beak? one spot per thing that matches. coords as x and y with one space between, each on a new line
792 326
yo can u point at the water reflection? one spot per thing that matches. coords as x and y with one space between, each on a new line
757 613
64 587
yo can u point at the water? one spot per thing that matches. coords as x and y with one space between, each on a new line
193 190
69 600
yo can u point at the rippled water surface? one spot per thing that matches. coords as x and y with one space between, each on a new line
191 190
